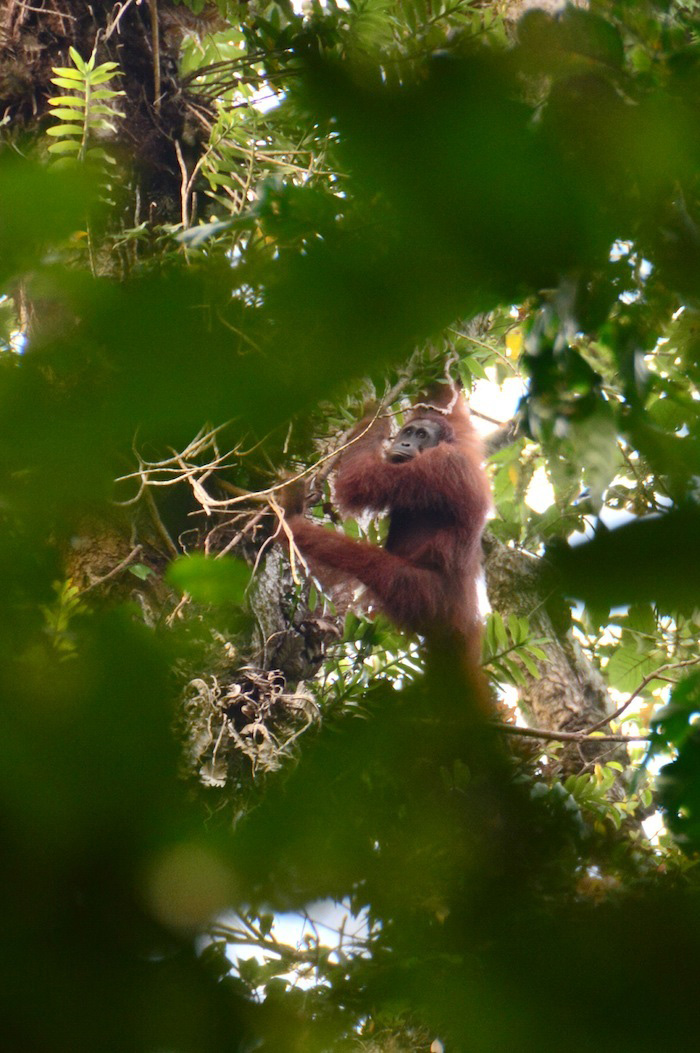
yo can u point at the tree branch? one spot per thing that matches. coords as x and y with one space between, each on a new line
566 736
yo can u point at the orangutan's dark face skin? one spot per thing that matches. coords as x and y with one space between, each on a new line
415 437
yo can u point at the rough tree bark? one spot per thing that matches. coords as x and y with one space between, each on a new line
570 694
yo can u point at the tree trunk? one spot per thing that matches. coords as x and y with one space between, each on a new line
570 694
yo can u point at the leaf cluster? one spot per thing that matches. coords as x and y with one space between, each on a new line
410 180
86 114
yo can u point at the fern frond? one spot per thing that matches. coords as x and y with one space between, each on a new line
85 112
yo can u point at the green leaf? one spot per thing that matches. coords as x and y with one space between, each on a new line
63 114
63 82
529 664
101 75
65 129
98 109
207 580
627 668
517 630
615 818
69 74
641 618
351 626
100 125
140 570
105 93
476 368
514 671
500 633
490 635
64 163
96 153
66 146
196 236
78 59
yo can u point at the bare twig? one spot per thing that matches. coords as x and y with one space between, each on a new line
262 495
186 184
238 332
566 736
250 525
159 524
656 675
121 9
184 187
294 552
175 613
115 571
155 35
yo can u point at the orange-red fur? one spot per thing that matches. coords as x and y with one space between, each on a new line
425 578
